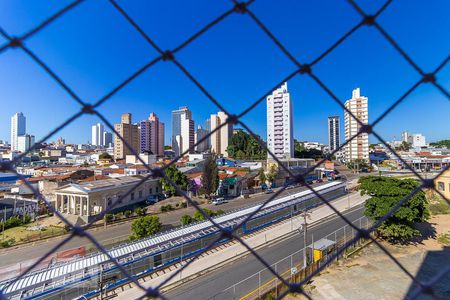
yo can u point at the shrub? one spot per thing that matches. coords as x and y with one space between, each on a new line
219 212
13 222
184 204
139 211
177 205
118 216
127 213
186 219
109 217
166 208
27 219
7 243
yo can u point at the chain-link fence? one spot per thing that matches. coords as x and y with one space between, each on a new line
18 43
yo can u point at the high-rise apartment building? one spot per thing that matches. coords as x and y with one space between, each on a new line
98 135
334 138
358 148
280 135
152 135
130 133
200 134
182 130
18 127
107 138
25 142
220 138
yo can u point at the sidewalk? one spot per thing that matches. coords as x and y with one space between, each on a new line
213 259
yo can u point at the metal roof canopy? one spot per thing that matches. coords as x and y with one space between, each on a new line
322 244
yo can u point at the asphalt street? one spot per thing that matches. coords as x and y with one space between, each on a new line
219 283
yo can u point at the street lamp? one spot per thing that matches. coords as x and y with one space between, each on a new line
304 228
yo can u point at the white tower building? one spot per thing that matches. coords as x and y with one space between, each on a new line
98 135
18 127
280 135
358 148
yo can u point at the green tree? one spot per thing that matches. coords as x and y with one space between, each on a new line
357 164
167 147
442 143
186 219
244 146
272 174
144 226
385 193
177 177
404 146
262 176
210 176
105 155
301 152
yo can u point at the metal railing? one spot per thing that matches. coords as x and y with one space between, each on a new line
306 69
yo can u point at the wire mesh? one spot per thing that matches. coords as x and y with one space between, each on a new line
303 69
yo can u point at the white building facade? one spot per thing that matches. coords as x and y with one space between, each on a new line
18 127
25 142
334 137
357 148
220 138
98 135
280 135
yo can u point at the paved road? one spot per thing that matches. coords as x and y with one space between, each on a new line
116 233
215 285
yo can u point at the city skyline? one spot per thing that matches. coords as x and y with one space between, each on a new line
261 68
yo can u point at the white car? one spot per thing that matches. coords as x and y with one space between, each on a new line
219 201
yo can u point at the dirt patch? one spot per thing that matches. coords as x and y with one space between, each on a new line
371 274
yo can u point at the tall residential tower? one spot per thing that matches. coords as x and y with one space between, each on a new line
280 135
334 137
130 133
98 132
152 135
358 148
18 127
220 138
183 134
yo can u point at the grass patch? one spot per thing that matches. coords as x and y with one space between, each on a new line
444 238
438 206
20 234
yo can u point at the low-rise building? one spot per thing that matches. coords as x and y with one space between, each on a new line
442 184
86 200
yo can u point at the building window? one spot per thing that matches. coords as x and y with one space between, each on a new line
150 191
140 194
441 186
156 190
132 196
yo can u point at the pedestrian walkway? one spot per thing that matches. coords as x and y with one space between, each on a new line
215 258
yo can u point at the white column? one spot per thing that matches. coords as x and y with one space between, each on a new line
88 207
80 199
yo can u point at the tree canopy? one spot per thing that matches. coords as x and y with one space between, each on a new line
441 143
385 193
210 176
105 155
244 146
404 146
145 226
301 152
177 177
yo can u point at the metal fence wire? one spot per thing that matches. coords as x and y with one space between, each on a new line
18 43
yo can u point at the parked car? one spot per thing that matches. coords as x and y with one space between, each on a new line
269 191
219 201
152 199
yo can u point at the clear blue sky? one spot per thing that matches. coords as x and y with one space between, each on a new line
92 48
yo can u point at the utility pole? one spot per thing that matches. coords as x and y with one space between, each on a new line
304 214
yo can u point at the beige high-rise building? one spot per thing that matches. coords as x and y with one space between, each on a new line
358 148
130 133
220 138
